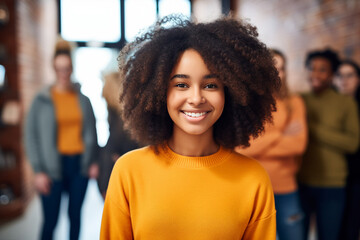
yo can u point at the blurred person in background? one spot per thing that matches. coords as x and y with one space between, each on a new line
119 141
61 144
278 150
347 81
333 132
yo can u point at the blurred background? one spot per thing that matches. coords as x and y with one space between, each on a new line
98 29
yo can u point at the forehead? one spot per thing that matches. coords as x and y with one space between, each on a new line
62 59
190 61
320 62
346 68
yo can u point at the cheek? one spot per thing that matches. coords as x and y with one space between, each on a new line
172 102
219 102
353 82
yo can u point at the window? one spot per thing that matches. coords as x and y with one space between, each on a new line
90 20
167 7
90 64
138 18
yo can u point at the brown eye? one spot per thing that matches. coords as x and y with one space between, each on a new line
211 85
181 85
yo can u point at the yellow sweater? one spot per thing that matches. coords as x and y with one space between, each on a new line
69 122
169 196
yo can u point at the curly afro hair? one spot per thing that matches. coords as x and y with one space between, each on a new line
327 54
230 50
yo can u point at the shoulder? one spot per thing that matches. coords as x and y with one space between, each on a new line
43 94
296 99
344 100
248 167
135 158
42 97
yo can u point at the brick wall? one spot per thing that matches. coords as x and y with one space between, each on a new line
26 39
36 35
295 27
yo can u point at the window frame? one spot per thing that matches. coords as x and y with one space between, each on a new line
119 44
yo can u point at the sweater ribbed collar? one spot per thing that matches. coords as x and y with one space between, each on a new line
195 162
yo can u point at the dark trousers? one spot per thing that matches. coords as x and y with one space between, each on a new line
328 206
351 223
75 185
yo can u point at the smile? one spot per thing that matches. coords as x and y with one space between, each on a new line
195 115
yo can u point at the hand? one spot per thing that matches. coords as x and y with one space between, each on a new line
292 128
42 183
93 171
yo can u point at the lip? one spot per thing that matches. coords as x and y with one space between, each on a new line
195 116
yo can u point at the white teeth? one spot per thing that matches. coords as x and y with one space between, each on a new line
194 115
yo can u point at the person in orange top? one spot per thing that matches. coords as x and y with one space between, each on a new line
193 92
278 150
61 144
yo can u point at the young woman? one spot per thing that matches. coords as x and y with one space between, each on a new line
333 131
347 81
279 150
193 92
60 142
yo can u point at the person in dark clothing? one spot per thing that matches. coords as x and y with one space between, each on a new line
347 81
119 141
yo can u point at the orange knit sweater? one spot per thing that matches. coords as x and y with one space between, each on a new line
278 151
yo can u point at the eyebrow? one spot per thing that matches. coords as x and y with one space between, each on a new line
179 76
209 76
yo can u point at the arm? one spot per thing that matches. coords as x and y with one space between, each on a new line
42 181
90 138
345 140
294 142
31 136
260 145
116 222
262 225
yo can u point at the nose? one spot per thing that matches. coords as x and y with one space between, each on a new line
196 96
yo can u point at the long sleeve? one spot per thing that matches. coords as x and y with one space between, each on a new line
31 137
116 222
333 132
89 131
264 226
259 146
291 145
345 139
274 142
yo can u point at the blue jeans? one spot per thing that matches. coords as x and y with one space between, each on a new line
75 185
289 216
327 203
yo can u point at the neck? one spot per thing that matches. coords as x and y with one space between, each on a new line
193 145
62 87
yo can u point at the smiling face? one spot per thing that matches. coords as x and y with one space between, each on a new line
346 80
195 96
63 70
320 74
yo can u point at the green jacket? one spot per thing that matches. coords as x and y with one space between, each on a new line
40 136
333 132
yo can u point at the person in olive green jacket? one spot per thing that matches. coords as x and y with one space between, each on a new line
333 132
